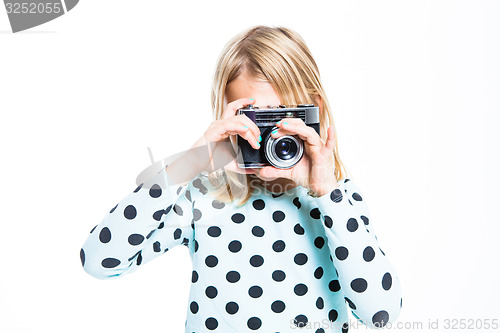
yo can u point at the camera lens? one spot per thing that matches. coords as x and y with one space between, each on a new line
283 152
286 149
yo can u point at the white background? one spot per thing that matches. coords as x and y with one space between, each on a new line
414 90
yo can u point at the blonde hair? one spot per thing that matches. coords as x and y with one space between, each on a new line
279 56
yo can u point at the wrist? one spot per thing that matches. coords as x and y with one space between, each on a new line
323 189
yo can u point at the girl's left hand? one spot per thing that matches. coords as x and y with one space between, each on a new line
316 169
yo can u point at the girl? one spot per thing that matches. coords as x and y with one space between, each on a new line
273 250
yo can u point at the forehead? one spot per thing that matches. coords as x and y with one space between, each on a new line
245 86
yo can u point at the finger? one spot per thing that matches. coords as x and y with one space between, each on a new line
292 126
251 125
231 108
330 141
235 126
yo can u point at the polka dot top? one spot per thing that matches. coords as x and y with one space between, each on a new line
278 263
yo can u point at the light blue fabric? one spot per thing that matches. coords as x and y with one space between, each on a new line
275 263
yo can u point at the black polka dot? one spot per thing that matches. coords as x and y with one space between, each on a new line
387 281
319 242
296 202
278 216
232 307
255 291
298 229
319 330
350 303
187 194
196 214
300 258
256 260
177 233
130 212
156 246
366 221
333 315
356 196
233 276
318 273
217 204
105 235
359 285
315 213
194 276
234 246
211 292
345 327
110 262
211 323
352 224
380 319
257 231
341 252
278 306
278 275
214 231
336 195
334 285
211 261
278 246
138 188
158 214
328 221
82 257
135 239
258 204
113 209
193 307
300 321
368 254
320 304
178 210
238 218
196 245
254 323
300 289
155 191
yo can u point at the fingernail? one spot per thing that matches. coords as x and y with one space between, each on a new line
285 123
251 99
278 122
260 138
258 145
245 127
275 131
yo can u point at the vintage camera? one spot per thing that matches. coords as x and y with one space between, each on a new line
283 152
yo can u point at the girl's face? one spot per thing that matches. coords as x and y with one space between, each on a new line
245 86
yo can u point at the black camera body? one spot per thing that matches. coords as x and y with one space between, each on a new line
283 152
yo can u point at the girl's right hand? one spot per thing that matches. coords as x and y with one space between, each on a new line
232 124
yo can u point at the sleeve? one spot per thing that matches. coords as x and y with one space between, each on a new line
370 283
145 224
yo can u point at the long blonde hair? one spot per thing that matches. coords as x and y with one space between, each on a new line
279 56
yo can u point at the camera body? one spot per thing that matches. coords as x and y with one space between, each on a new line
283 152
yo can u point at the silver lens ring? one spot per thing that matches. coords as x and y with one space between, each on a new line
272 157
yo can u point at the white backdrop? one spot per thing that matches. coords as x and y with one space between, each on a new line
414 89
